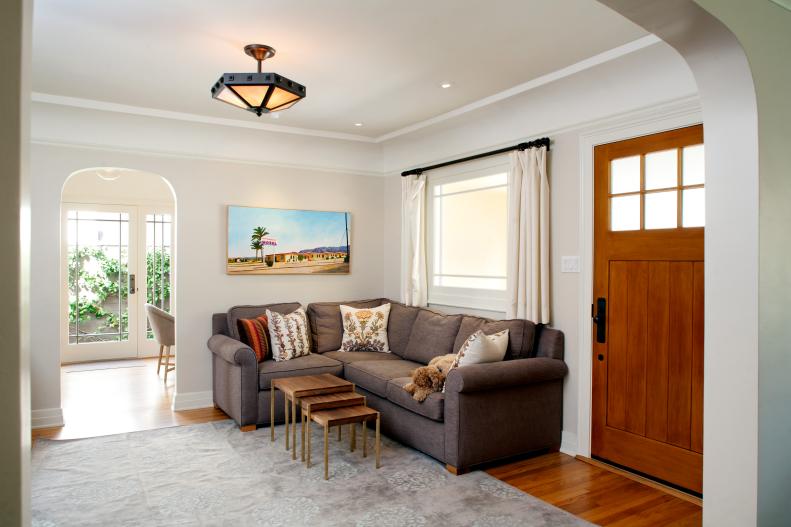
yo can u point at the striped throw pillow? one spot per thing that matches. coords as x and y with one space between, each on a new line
255 333
289 334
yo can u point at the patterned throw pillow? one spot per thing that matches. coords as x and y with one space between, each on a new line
365 329
480 348
288 334
255 333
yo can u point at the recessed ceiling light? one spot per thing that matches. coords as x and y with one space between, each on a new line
446 85
358 124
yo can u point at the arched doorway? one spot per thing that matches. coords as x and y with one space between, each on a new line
117 246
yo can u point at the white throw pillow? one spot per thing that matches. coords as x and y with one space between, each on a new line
365 329
288 334
480 348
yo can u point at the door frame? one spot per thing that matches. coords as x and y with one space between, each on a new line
659 118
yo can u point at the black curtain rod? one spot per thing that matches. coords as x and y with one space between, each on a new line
544 141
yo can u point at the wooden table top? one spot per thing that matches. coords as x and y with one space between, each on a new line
306 385
345 415
332 400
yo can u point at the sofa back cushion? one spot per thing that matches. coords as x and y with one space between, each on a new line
237 312
326 325
433 334
521 334
399 326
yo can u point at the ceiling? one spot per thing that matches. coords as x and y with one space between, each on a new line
378 62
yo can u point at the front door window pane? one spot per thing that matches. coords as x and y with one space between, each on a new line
661 210
98 281
661 169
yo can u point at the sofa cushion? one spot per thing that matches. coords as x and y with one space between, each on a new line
520 334
433 334
237 312
326 326
312 364
373 375
350 357
433 407
399 327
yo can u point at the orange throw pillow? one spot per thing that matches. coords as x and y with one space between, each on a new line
255 333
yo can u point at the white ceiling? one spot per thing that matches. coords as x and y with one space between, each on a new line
379 62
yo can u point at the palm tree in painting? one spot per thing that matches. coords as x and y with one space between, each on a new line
259 233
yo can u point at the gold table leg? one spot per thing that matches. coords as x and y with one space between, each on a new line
293 427
326 452
365 438
340 428
272 410
307 431
378 447
353 433
286 411
302 420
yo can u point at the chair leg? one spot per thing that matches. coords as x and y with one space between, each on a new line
167 362
159 362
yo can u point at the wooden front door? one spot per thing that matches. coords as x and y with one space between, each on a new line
648 305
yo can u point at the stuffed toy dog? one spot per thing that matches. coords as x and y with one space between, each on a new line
430 379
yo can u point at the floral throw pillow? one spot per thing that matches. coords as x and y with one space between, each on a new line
365 329
288 334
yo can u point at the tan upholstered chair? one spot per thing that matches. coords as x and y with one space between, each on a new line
164 327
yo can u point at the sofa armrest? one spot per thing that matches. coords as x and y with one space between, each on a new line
235 379
232 351
505 374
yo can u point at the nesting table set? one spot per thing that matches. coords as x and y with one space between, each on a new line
328 401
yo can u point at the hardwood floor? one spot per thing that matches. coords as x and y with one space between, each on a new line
127 396
596 494
121 396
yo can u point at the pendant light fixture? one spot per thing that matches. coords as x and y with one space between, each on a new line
258 92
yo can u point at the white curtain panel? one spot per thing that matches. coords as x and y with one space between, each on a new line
528 236
414 281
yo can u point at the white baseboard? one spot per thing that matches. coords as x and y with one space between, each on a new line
46 418
192 400
568 443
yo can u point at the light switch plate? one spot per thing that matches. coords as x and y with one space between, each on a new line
569 264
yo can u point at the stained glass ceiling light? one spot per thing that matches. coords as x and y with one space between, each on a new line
258 92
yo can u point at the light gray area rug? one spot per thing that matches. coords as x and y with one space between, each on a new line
213 475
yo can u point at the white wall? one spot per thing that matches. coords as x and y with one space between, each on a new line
203 189
562 110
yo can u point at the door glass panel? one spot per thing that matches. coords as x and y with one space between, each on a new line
625 175
693 165
158 258
98 260
625 213
661 169
661 210
694 208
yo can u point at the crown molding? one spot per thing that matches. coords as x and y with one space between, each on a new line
601 58
92 104
43 141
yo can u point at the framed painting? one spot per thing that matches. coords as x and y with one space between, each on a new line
286 241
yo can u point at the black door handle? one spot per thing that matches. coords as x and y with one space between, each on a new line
600 319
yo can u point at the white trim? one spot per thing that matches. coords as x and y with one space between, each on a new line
601 58
92 104
590 62
568 443
192 400
46 418
184 155
659 118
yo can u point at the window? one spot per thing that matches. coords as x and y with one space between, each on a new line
468 216
658 190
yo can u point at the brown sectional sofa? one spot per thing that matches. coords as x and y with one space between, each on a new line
488 411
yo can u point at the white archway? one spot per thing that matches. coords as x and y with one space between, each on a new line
730 115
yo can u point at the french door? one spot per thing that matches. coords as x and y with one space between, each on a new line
648 305
115 258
